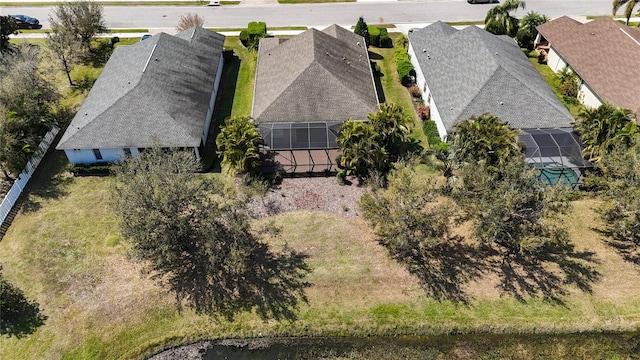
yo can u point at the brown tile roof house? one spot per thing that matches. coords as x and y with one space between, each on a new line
308 85
604 53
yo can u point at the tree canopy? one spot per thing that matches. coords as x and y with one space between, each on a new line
27 106
485 138
628 10
196 238
238 142
362 29
189 20
82 19
499 20
7 27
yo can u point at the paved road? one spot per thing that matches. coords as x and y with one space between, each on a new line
402 12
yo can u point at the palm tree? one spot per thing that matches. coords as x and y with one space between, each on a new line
628 11
361 149
499 20
487 138
392 125
527 31
602 127
238 143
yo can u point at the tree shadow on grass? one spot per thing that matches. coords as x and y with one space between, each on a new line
624 246
446 269
272 284
546 273
47 182
18 316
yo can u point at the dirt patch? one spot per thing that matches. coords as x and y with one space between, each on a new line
310 193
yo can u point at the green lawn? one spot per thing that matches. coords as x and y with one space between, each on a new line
64 249
392 89
552 79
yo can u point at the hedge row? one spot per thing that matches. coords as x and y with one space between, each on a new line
431 132
379 37
255 31
404 66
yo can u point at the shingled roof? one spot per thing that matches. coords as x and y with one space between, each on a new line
471 72
604 53
158 88
315 76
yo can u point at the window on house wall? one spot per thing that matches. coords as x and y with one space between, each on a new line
429 98
97 154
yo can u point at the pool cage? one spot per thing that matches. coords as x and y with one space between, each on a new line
557 153
296 148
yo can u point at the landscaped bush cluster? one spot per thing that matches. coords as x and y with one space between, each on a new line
404 66
415 91
431 132
91 170
568 87
255 31
424 112
379 37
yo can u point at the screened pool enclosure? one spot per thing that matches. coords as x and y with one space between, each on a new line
557 153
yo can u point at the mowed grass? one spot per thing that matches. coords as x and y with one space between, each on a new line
554 81
64 249
393 90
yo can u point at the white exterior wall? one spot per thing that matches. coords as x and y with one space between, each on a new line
421 82
212 101
587 96
86 156
554 61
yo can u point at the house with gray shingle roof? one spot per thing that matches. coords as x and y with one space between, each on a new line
469 72
161 90
305 88
603 53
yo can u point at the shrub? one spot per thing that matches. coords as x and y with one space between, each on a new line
403 65
431 132
415 91
374 35
257 29
244 38
385 40
424 112
362 29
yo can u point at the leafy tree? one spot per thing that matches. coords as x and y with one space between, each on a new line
620 170
602 127
18 315
188 21
416 231
485 138
628 11
499 20
83 19
509 208
361 151
197 240
392 125
7 27
238 143
27 106
66 48
527 32
401 41
362 29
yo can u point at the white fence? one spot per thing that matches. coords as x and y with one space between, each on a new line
22 180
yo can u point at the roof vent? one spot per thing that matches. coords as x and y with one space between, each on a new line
451 108
496 53
358 43
501 103
424 50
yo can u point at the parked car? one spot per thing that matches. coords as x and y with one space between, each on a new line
26 22
481 1
145 37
